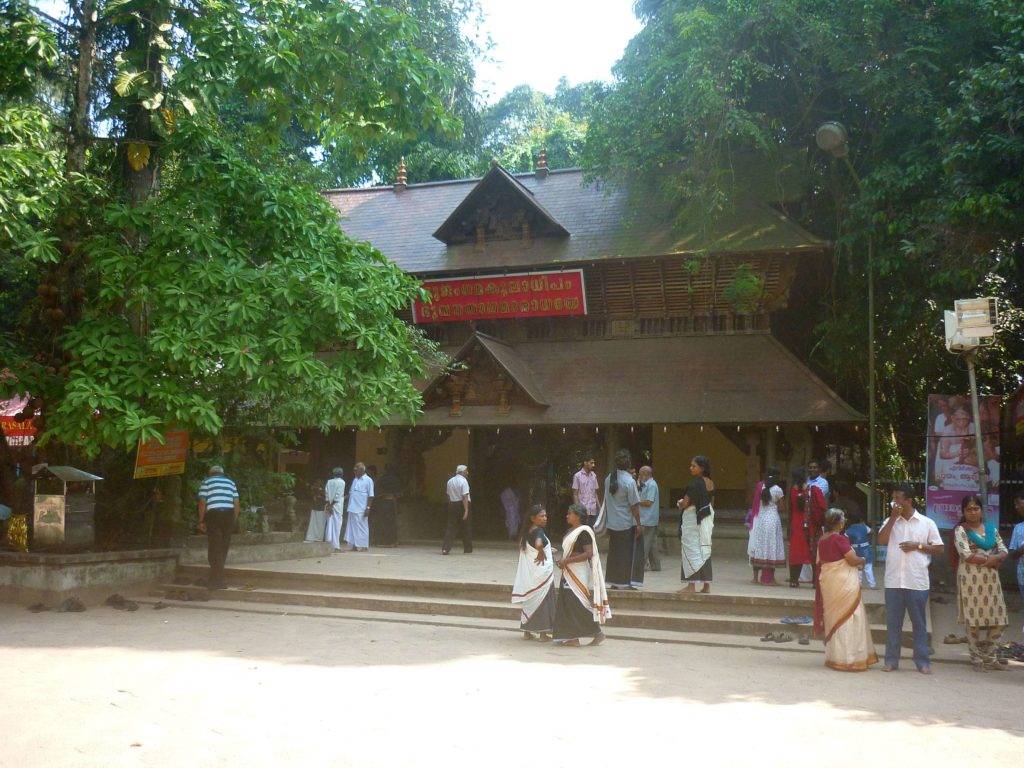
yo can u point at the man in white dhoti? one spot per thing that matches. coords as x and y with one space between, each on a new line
334 492
360 499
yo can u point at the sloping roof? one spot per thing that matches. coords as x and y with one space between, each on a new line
720 379
604 225
507 358
499 180
71 474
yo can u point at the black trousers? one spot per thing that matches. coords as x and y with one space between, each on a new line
220 524
384 522
455 521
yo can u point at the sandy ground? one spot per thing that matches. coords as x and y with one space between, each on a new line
187 687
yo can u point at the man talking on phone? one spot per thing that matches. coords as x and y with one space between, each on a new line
911 539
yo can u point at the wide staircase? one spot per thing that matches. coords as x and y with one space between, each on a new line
653 616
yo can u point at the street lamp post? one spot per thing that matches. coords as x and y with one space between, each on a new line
831 137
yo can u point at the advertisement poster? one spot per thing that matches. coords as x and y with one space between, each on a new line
18 433
952 470
156 460
530 294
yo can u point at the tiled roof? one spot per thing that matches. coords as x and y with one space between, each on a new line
714 379
601 221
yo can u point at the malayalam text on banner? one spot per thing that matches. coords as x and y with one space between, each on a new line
952 470
530 294
158 460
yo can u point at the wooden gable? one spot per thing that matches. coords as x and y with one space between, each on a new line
498 208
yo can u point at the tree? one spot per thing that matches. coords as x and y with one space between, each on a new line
525 121
930 94
185 276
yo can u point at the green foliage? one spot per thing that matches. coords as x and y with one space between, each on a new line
745 289
726 93
190 277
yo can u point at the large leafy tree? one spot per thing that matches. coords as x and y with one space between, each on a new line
712 93
181 273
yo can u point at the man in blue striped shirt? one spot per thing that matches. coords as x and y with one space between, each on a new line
218 514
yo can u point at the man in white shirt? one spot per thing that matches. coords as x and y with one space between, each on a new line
816 477
360 499
334 492
911 539
458 511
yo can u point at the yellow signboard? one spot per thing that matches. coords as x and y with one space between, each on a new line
156 460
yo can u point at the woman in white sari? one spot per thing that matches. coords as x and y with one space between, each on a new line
582 597
848 644
533 589
695 527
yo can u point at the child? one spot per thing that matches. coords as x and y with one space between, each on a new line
859 535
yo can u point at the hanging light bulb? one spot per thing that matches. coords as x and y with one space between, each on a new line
776 427
497 431
737 427
563 430
664 428
817 428
631 430
595 430
531 430
701 427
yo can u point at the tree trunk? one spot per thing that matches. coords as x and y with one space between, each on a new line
78 122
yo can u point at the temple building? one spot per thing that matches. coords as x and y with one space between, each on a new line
582 321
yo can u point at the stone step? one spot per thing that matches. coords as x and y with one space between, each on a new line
626 615
766 606
482 624
243 550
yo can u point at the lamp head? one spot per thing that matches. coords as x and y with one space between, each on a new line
831 137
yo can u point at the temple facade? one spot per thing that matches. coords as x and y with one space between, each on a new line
579 321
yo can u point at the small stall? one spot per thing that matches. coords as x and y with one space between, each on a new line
64 505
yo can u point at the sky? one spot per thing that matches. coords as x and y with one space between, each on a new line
538 41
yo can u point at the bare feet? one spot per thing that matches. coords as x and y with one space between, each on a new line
689 589
598 640
706 590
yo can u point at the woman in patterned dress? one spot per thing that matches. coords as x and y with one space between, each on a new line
980 606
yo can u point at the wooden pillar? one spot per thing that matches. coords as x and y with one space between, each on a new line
769 451
754 469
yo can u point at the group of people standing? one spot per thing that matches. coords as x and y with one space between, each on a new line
806 503
911 540
629 512
345 522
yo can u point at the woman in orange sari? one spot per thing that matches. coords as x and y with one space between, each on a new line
848 645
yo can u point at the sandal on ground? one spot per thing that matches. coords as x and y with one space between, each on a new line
528 636
768 637
598 640
804 640
783 637
544 637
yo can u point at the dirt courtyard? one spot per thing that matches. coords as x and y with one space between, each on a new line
191 687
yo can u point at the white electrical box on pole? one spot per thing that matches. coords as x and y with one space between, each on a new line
970 326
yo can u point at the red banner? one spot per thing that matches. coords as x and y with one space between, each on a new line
529 294
17 432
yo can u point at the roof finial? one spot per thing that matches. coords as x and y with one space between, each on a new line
402 179
541 167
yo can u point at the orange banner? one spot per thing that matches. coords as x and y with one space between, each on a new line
529 294
156 460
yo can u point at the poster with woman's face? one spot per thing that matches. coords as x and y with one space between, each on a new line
953 456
